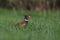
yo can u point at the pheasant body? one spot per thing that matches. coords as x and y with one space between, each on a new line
24 23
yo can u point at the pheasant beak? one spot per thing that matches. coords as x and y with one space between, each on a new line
29 16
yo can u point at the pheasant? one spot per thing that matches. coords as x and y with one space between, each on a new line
23 23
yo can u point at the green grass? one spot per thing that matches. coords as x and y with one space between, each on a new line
42 25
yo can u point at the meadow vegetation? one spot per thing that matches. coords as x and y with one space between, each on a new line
43 25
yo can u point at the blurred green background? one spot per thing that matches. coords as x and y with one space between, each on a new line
44 22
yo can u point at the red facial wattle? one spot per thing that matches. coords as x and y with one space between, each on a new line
28 16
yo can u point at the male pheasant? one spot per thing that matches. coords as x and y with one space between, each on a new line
23 23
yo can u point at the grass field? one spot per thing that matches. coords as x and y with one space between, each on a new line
42 25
